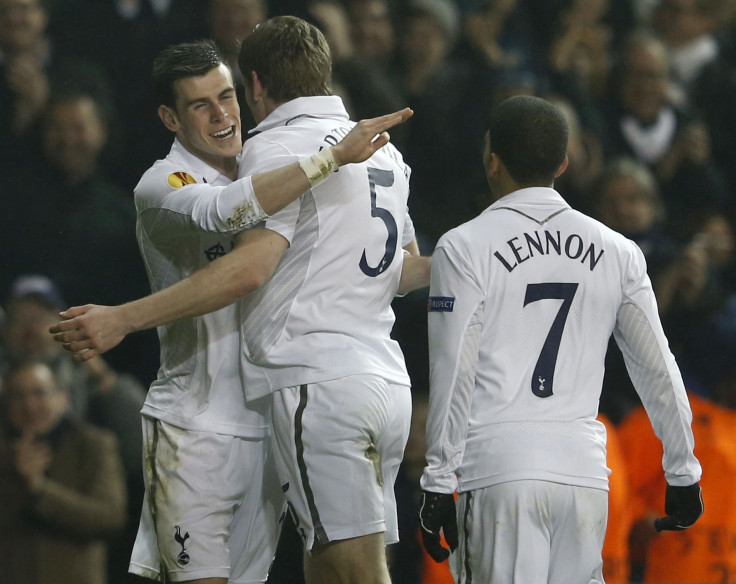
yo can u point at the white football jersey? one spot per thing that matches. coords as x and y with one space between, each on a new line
326 312
523 301
198 386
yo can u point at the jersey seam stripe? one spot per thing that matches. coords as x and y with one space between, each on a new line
153 489
468 569
319 531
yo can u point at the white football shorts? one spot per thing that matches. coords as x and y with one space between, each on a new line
530 532
338 448
212 506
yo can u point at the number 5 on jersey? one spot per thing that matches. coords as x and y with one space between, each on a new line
381 178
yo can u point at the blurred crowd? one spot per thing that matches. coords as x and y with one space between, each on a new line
649 88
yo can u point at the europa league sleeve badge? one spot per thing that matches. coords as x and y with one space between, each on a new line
179 179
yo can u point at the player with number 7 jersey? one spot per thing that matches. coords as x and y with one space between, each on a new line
523 301
526 343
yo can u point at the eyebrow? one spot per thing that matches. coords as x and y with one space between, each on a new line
206 99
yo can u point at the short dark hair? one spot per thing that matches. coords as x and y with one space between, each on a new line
529 135
181 61
290 56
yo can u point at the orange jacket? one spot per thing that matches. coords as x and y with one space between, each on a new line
705 553
434 573
621 514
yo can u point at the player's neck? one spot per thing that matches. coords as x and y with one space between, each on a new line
227 166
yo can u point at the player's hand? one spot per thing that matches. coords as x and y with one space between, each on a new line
90 330
367 137
438 513
683 506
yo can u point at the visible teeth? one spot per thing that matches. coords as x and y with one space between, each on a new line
225 133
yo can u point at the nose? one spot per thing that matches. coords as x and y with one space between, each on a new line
219 112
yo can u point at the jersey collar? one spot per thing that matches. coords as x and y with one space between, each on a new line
537 202
542 196
316 106
196 166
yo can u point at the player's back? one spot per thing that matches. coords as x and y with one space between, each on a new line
326 311
552 281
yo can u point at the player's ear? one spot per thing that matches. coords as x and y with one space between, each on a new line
169 118
563 167
494 165
256 86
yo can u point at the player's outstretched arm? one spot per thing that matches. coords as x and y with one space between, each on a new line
277 188
90 330
367 137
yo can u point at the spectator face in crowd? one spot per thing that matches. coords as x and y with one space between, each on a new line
717 237
629 199
22 25
680 22
644 78
581 47
587 12
74 135
36 402
372 29
430 32
33 306
25 52
230 21
27 325
484 24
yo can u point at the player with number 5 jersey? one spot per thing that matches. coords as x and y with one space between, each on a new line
326 311
523 301
317 334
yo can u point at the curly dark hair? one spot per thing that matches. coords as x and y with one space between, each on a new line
529 135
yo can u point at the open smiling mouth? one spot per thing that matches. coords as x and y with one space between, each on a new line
225 134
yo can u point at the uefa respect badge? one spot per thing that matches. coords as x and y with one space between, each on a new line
440 303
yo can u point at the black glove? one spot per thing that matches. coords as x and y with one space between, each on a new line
683 505
438 512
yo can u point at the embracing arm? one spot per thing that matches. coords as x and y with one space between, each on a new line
90 330
415 271
166 212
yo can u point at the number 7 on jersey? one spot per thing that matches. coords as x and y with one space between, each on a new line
544 371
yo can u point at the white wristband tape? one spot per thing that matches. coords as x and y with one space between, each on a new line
319 166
